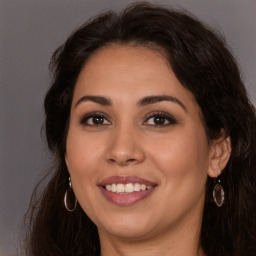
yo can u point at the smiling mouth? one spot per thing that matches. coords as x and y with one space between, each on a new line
120 188
126 190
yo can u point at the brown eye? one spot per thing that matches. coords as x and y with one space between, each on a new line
94 120
97 120
160 120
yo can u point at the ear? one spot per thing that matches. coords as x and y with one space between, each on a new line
219 155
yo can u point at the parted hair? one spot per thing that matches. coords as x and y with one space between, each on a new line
203 64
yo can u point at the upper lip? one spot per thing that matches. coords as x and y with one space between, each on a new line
125 180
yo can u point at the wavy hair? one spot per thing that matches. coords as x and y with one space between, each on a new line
203 64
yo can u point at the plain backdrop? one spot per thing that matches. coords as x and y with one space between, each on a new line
29 33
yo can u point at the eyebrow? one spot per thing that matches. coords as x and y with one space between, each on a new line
158 98
97 99
142 102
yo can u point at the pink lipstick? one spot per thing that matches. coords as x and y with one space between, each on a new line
126 190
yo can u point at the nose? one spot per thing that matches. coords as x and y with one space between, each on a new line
125 146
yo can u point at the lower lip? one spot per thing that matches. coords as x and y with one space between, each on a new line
126 199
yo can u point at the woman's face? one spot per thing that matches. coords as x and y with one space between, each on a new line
137 150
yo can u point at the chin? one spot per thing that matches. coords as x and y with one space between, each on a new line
127 229
129 234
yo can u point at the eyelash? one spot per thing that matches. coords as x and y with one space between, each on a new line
165 117
84 120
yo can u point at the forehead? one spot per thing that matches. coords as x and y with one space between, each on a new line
116 60
129 71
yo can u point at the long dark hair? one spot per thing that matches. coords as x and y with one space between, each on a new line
203 64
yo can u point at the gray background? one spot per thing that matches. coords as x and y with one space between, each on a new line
29 33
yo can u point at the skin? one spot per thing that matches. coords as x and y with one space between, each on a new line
175 155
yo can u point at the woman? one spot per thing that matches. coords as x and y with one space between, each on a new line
154 142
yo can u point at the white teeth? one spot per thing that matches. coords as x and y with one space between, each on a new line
126 188
120 188
136 187
143 187
113 187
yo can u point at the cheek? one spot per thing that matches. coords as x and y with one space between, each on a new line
183 164
183 158
82 151
82 158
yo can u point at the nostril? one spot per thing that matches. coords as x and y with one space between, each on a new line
122 161
131 160
125 156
